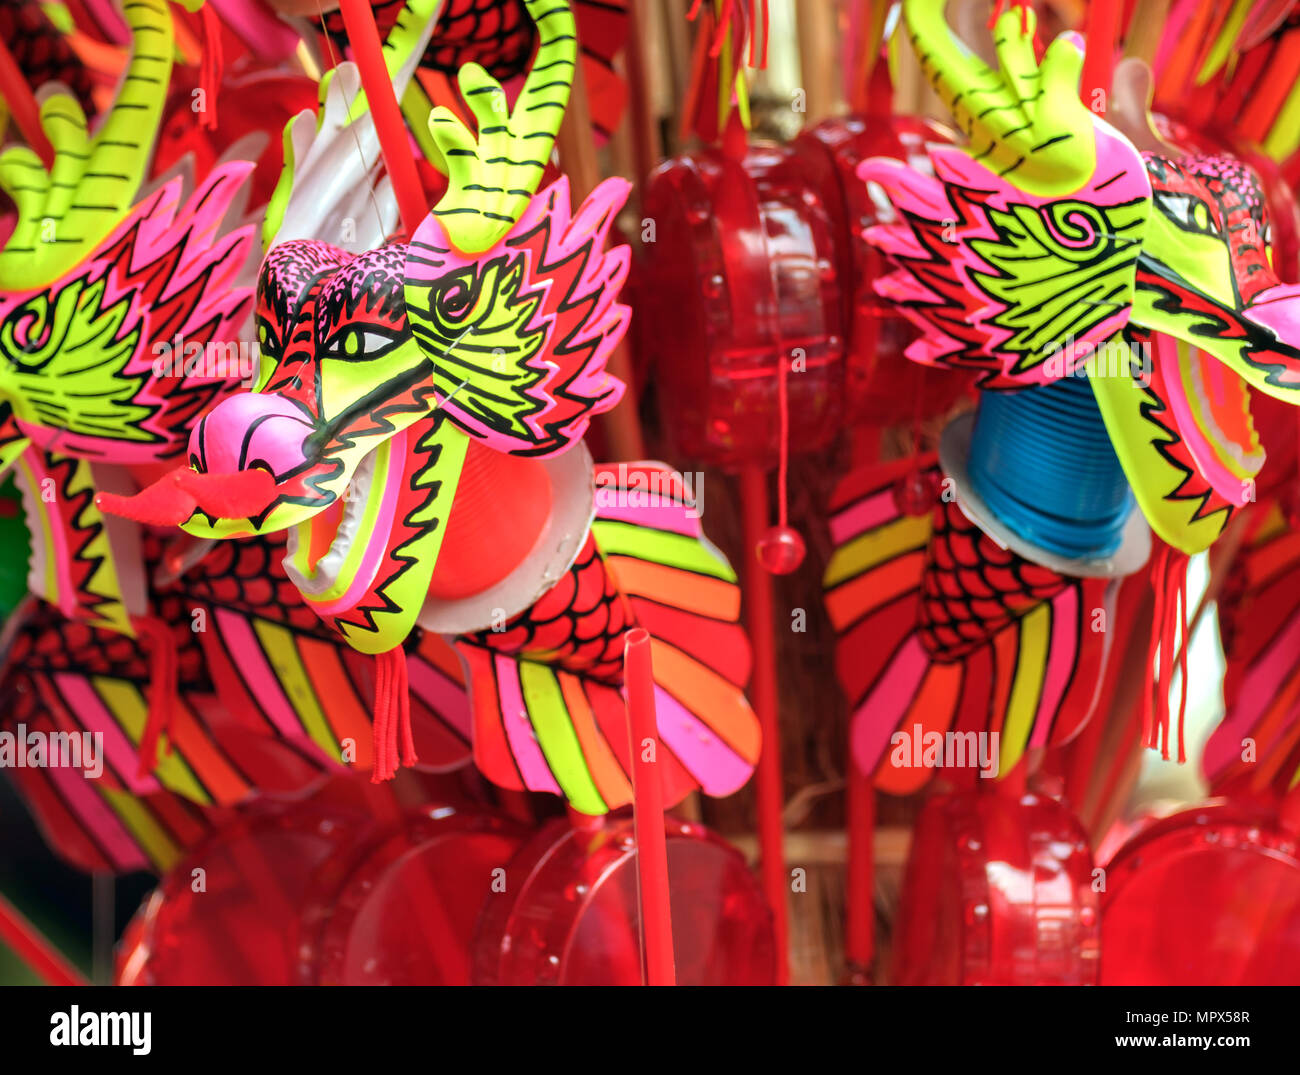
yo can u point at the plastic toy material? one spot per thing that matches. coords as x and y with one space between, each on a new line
740 278
568 915
880 388
230 913
998 891
1209 896
408 909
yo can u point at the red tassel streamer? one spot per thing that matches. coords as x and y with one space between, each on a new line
1169 644
393 742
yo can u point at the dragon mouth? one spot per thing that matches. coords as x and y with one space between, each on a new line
1186 439
1210 404
339 548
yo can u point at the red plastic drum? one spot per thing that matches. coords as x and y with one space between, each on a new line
568 915
343 889
230 912
406 913
1209 896
882 386
740 276
998 891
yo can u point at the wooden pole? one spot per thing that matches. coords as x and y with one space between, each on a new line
860 880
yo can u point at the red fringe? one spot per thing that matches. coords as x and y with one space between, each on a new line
393 741
1169 642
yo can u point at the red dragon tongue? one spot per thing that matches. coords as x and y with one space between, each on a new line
174 497
164 503
240 495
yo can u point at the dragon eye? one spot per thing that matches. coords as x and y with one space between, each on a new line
270 351
362 342
1188 212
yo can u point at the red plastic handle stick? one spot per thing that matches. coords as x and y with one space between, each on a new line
22 105
359 20
860 918
47 962
1101 29
648 811
765 695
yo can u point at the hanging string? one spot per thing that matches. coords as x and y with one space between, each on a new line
1150 698
1042 461
1182 660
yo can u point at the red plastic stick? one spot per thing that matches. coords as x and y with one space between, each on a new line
764 694
359 20
46 961
860 924
22 105
648 811
1102 28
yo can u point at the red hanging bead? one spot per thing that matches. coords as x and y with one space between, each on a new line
781 550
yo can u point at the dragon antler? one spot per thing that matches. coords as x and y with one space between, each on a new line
1025 121
64 213
1024 244
492 178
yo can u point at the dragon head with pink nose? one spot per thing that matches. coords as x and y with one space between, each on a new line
1048 246
490 329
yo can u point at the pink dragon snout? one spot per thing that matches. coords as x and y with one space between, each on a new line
251 430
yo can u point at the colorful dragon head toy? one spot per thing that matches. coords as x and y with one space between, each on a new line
397 383
1045 249
105 298
492 325
1049 246
112 649
96 284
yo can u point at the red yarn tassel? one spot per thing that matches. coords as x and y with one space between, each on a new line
1151 696
393 741
1168 626
1169 641
162 688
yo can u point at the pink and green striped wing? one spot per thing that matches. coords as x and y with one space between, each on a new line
94 824
549 711
941 631
315 695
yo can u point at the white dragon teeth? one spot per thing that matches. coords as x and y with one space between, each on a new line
326 572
